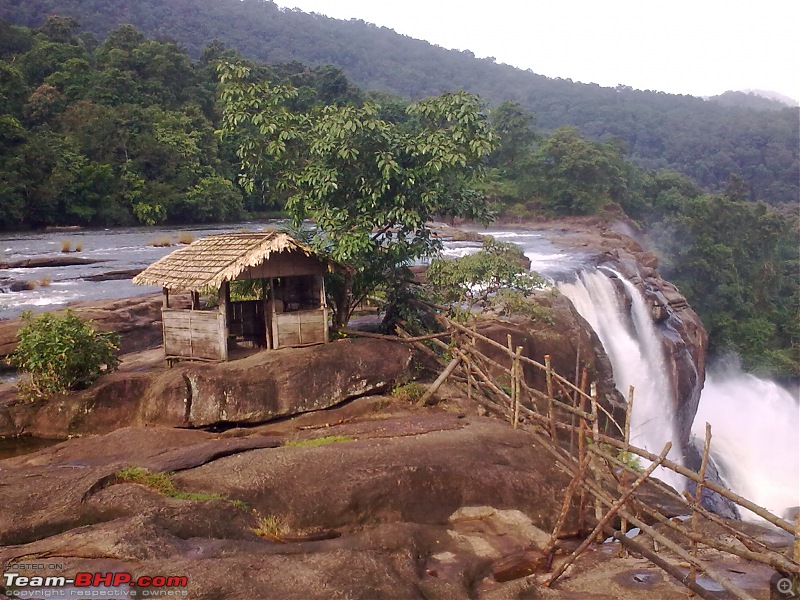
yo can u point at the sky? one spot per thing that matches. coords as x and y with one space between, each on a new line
697 47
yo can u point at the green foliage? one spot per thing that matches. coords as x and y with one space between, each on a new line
704 139
370 185
475 278
737 264
576 176
517 303
163 484
321 441
409 392
61 352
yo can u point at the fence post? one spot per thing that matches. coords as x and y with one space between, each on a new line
550 416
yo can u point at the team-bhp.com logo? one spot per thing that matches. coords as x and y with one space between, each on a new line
94 585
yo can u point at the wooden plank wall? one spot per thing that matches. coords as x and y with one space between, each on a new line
194 334
301 327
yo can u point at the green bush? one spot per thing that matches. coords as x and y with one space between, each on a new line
61 352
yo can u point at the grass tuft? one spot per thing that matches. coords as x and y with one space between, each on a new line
330 439
409 392
66 246
161 242
185 237
44 282
271 526
78 246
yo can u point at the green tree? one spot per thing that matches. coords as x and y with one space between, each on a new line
577 176
370 185
61 352
475 278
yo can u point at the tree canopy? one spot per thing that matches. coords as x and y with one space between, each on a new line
370 185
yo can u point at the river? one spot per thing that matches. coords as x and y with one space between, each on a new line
755 422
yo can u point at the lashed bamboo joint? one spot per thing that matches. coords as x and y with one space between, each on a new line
601 467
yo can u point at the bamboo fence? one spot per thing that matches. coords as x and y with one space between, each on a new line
600 464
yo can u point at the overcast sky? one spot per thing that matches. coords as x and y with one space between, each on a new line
698 47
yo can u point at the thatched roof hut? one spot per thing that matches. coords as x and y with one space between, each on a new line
209 262
284 303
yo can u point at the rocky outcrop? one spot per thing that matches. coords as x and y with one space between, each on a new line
49 261
416 505
682 334
567 338
252 390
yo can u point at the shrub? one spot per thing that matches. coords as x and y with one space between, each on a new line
61 352
161 242
271 526
409 392
185 237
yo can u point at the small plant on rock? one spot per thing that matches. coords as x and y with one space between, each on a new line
61 352
271 526
409 392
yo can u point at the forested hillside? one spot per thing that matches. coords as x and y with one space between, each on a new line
124 131
706 140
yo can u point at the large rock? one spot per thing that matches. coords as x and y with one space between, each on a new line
259 388
569 341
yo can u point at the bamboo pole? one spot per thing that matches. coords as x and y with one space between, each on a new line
517 386
568 465
766 556
628 411
448 322
608 516
560 405
550 412
709 484
440 380
672 546
665 566
698 493
576 480
595 434
393 338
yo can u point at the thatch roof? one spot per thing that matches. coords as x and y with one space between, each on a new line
210 261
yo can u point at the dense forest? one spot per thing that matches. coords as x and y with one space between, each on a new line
126 130
707 140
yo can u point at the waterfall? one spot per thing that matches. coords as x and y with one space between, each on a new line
637 359
754 437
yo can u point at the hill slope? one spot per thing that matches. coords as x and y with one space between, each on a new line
705 140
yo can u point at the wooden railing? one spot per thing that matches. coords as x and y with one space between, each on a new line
599 463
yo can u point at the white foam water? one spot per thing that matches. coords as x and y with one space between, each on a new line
637 359
754 437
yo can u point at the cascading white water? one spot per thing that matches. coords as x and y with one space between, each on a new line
754 437
637 359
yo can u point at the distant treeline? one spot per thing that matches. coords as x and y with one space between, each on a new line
123 131
750 137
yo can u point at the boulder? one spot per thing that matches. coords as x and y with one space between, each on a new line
264 386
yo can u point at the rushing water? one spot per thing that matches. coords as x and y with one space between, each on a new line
118 249
754 437
637 358
754 421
